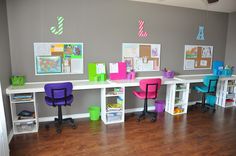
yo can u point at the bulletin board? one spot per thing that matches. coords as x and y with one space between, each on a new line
58 58
141 57
197 57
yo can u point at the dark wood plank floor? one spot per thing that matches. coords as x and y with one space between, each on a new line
196 133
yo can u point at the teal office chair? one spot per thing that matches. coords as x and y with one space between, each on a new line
208 89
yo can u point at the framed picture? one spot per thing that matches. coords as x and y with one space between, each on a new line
48 64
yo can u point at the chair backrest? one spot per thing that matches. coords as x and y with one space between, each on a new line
150 85
58 90
211 82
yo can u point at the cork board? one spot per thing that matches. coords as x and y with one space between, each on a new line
141 57
197 57
58 58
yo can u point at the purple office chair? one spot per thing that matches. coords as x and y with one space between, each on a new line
57 95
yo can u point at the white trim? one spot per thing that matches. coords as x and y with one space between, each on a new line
10 136
86 115
74 116
132 110
193 103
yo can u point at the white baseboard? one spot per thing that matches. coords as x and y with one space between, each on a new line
138 109
86 115
74 116
193 103
10 136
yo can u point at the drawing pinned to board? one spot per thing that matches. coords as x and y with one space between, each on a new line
201 33
60 24
48 64
71 55
141 57
141 32
198 57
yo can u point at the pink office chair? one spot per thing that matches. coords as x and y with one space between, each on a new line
149 90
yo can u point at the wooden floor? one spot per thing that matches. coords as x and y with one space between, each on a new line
196 133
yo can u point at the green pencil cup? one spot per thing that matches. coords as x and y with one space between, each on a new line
17 80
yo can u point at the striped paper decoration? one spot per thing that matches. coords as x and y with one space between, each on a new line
59 29
141 32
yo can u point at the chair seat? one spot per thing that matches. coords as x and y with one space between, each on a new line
61 101
141 95
203 89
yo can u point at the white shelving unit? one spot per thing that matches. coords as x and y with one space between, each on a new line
177 98
21 126
110 97
226 92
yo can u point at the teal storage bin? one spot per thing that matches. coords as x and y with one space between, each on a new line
227 72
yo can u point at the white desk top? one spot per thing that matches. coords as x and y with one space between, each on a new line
82 84
191 78
199 78
85 84
130 83
228 78
39 86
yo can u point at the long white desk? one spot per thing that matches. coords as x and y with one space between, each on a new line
37 87
171 104
191 78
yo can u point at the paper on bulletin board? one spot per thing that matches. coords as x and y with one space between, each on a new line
147 66
57 48
48 64
207 52
113 67
155 50
131 50
203 63
100 68
138 61
189 64
76 66
41 49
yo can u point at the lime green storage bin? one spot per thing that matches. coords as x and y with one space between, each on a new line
94 113
17 80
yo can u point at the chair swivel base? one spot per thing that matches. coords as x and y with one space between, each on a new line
58 124
151 115
207 107
203 106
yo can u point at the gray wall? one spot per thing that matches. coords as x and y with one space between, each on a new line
103 25
5 61
230 55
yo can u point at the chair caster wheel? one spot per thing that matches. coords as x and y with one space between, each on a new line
47 127
213 110
58 131
153 119
204 110
138 120
73 126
